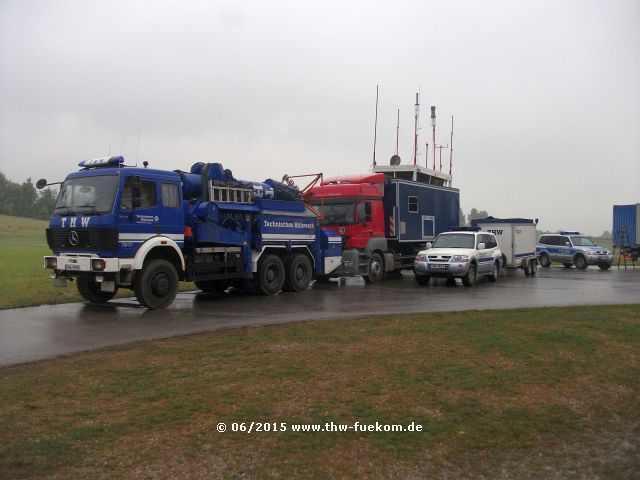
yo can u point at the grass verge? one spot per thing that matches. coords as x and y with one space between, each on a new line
516 394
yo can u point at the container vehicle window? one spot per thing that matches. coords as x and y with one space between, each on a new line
336 211
544 240
87 195
583 242
147 194
413 205
563 241
455 240
170 195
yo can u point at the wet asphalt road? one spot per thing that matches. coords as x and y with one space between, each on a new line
36 333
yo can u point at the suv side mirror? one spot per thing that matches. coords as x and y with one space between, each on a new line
567 244
481 246
428 245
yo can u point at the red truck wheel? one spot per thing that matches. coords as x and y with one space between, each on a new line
376 269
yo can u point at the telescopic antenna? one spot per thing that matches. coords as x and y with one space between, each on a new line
375 130
415 138
397 131
433 126
451 150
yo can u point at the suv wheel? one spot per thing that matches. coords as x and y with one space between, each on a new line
494 274
545 261
581 262
469 280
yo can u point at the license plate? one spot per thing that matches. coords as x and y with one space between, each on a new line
437 266
72 267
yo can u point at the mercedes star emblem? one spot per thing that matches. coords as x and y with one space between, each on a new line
73 238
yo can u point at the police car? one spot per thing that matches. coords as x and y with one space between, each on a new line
572 248
462 253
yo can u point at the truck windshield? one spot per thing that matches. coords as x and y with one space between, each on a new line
336 211
455 240
87 195
582 242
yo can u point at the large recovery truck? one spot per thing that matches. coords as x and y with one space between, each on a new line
144 229
385 217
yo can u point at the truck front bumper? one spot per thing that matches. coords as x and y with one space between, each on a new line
80 263
443 270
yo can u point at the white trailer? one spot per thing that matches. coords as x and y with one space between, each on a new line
517 238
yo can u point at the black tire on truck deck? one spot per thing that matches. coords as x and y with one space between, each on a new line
269 278
156 285
298 272
376 269
90 290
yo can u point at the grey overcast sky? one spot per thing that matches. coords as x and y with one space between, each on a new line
545 94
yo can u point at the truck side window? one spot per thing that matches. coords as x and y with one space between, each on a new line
147 194
413 205
170 195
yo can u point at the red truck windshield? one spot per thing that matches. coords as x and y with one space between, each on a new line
336 211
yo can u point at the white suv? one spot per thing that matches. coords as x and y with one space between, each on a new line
465 254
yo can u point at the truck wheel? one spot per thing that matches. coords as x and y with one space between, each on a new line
545 261
90 291
376 269
156 285
494 274
422 279
567 265
580 262
270 275
212 286
298 272
533 268
469 280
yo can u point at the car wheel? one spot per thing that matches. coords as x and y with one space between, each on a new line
422 279
581 262
494 274
469 280
545 261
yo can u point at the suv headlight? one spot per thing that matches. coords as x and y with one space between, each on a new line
460 258
421 258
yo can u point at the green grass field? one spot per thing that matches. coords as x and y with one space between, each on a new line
23 279
531 393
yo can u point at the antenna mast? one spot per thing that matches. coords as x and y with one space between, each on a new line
397 131
451 150
375 129
433 126
415 142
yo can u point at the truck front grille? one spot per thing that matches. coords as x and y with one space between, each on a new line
78 239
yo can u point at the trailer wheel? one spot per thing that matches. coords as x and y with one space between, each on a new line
90 291
581 262
545 261
156 285
298 272
270 276
212 286
376 269
469 280
422 279
534 266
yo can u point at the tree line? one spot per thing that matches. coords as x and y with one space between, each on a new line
23 200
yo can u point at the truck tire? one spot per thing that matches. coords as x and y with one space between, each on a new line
212 286
545 261
298 272
269 278
533 266
90 291
422 279
376 269
494 274
156 285
469 280
580 262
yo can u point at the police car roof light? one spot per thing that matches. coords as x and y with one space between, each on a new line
464 229
568 233
102 162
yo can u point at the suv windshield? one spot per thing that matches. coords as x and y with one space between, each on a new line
582 242
87 195
336 211
455 240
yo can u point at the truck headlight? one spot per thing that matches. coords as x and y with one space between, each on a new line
97 264
460 258
51 262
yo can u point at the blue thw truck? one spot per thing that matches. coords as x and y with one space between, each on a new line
143 229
